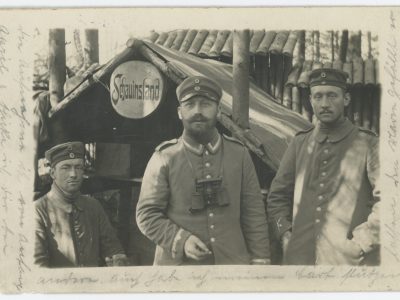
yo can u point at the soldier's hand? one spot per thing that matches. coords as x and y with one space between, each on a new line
120 260
195 249
285 241
117 260
354 253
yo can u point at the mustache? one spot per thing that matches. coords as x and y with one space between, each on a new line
198 118
325 111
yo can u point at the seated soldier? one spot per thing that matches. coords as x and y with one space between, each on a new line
72 230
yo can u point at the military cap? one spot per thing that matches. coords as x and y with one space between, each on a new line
198 86
327 76
65 151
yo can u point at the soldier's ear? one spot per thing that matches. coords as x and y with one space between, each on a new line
347 98
179 112
219 111
52 172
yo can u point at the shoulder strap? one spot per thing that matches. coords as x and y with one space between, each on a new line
166 144
367 131
304 131
232 139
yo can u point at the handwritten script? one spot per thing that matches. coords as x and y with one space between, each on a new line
14 124
391 70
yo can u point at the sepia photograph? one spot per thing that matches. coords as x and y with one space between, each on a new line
164 139
247 154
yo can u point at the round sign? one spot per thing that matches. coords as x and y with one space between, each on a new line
136 89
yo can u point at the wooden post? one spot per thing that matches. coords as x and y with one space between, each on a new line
57 130
91 48
343 45
367 107
273 66
296 102
240 90
56 65
332 45
317 51
302 46
375 109
279 77
357 105
306 110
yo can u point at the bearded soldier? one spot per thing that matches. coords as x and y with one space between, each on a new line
200 200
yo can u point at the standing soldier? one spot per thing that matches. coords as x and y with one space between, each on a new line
324 199
200 201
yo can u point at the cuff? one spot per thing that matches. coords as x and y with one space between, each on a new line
280 226
178 243
362 237
260 261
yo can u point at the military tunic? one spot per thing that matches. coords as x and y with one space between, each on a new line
170 209
72 234
326 192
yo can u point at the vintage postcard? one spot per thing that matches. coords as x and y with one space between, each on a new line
199 149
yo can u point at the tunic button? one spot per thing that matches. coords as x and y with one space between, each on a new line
206 152
212 240
318 208
317 221
208 176
325 162
212 226
207 164
323 174
326 151
322 184
320 197
211 215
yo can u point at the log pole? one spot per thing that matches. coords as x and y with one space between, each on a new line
56 65
240 105
91 47
57 76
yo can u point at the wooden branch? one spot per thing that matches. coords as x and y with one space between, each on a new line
187 41
290 43
91 81
263 48
249 140
227 49
222 36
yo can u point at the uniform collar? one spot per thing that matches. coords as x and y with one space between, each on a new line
198 149
335 133
62 201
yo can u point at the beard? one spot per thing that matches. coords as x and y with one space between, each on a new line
200 128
